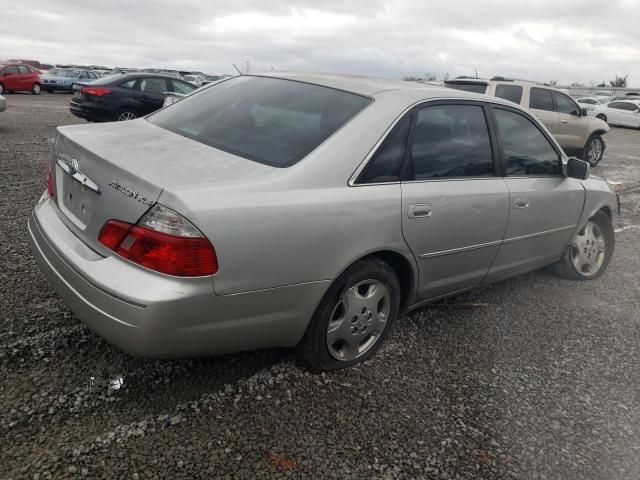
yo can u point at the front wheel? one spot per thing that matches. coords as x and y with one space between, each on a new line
594 150
353 318
35 89
591 250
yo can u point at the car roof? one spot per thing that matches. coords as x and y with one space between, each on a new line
373 86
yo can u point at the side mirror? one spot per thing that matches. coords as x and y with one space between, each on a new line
578 169
584 112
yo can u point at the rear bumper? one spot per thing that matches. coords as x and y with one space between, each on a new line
90 113
157 315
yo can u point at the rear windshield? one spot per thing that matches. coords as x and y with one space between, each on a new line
268 120
467 87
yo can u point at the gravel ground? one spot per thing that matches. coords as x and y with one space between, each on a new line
539 380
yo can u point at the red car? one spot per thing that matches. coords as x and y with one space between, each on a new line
19 77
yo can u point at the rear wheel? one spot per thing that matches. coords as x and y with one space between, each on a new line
1 89
35 89
594 150
127 114
590 252
353 318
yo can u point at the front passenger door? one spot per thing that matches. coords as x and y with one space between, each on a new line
544 205
571 132
454 204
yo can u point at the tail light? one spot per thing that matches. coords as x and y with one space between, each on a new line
164 241
50 189
95 91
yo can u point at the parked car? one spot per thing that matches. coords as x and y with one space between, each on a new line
3 103
619 112
15 77
196 230
124 97
589 103
578 134
195 80
603 95
45 67
64 79
100 73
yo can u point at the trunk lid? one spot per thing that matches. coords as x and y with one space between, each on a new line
118 170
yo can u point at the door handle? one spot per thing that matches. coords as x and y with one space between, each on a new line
522 203
420 210
564 121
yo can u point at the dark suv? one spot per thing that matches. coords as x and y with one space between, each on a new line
124 97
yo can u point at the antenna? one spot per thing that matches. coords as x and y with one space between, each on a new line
234 66
476 71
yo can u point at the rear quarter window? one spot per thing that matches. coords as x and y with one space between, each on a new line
513 93
540 99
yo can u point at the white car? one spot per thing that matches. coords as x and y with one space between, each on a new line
589 102
619 112
3 104
602 95
196 80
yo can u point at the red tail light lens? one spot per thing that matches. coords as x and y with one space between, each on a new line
95 91
50 188
185 254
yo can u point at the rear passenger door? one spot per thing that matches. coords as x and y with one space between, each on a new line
544 205
151 94
541 105
11 78
454 205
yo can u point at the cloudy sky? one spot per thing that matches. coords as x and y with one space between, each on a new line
566 40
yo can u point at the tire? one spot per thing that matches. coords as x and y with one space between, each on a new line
590 252
602 117
1 89
353 318
125 114
594 150
36 89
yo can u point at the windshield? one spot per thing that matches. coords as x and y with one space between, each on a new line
268 120
68 73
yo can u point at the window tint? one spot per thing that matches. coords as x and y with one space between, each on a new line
153 85
269 120
616 105
128 84
12 70
182 87
527 151
512 93
385 165
24 69
564 104
540 99
627 106
468 87
451 141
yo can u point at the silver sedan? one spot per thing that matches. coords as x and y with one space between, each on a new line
306 211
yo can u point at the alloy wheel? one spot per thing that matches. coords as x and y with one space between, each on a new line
36 89
358 320
588 250
595 151
127 116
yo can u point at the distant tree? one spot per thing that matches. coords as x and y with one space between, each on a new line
577 84
412 78
553 83
429 77
620 82
601 85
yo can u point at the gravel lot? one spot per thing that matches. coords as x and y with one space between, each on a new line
541 379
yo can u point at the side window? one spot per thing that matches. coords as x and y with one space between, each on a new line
540 99
616 105
181 87
153 85
451 141
23 69
527 151
512 93
385 164
128 84
564 104
12 70
84 75
628 106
